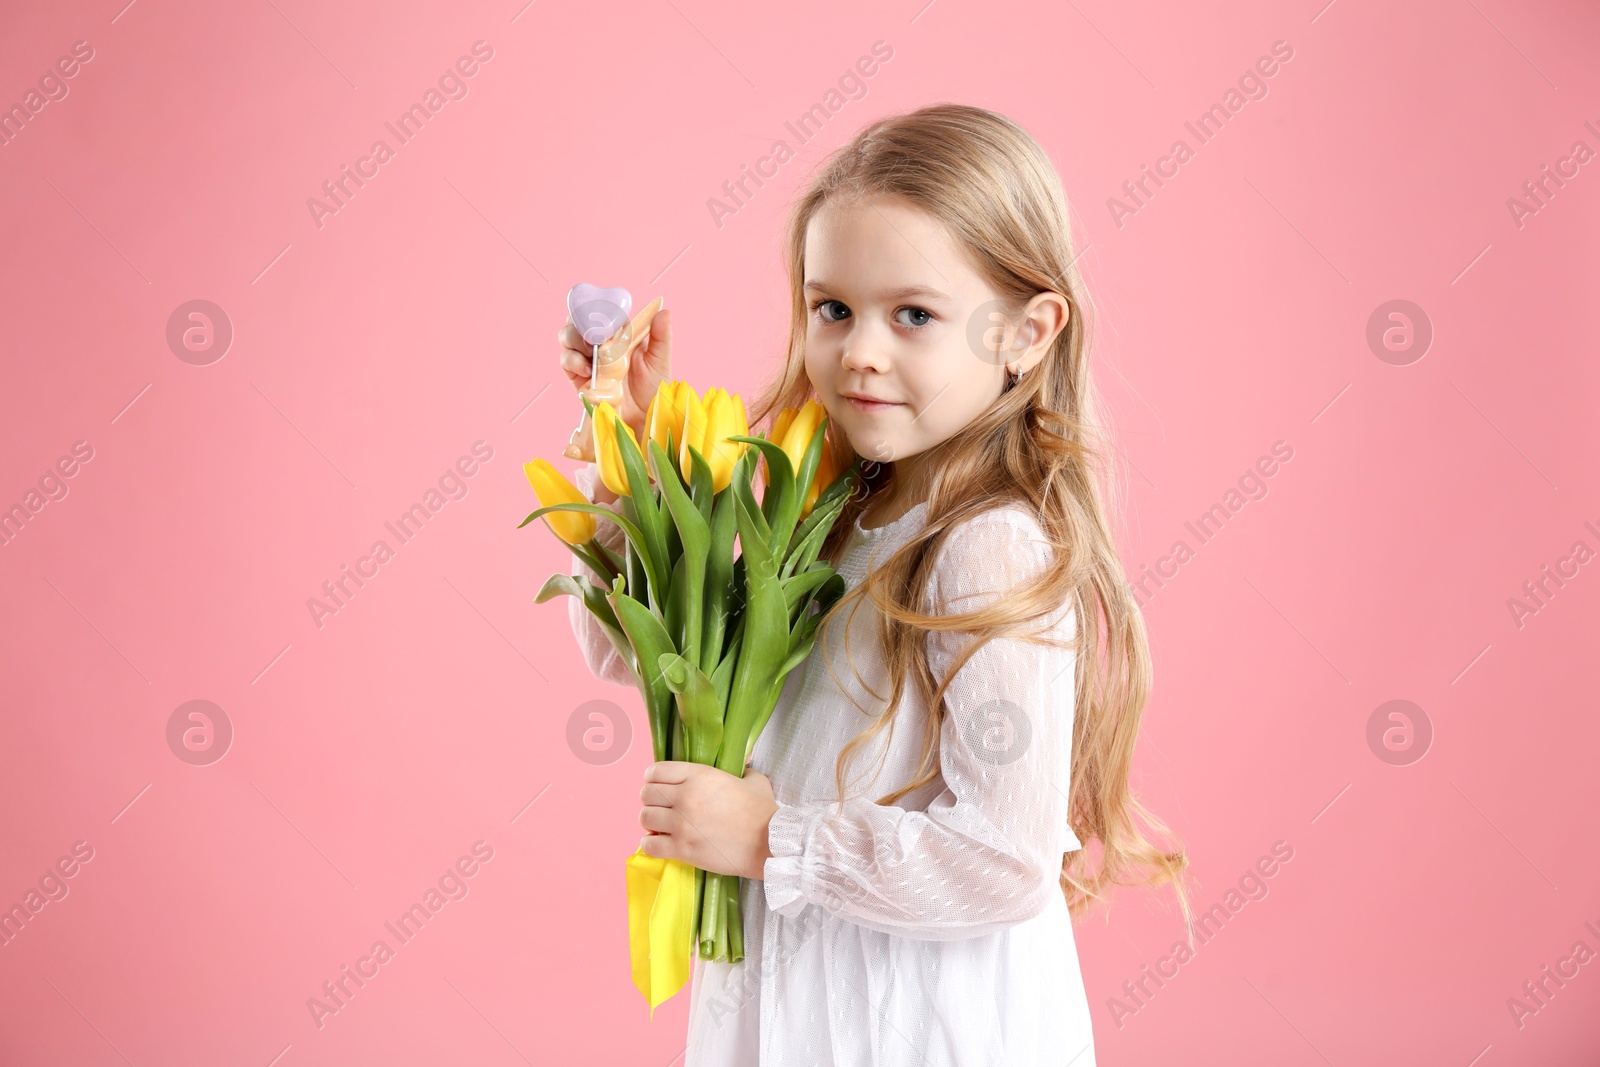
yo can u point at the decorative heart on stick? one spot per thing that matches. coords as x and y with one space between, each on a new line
601 318
598 313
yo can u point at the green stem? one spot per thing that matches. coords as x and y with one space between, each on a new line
720 951
699 897
711 918
735 923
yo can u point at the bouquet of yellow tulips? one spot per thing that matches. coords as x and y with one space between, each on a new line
708 637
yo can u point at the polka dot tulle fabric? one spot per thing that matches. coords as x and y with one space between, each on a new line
929 933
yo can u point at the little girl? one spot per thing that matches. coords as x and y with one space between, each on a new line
914 827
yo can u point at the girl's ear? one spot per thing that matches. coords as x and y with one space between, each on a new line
1042 319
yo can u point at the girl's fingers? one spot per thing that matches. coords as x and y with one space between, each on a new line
658 350
670 772
569 337
579 367
651 365
577 357
657 794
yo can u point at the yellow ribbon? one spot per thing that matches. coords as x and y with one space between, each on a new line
660 925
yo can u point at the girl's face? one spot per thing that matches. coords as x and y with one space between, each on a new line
897 325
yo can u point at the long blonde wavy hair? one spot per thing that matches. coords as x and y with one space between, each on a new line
1040 445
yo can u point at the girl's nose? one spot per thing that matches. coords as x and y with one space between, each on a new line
863 353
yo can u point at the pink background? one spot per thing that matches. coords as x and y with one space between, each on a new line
432 711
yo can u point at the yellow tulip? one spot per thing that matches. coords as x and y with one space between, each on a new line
666 413
724 418
694 431
792 431
780 426
800 430
606 450
827 471
573 527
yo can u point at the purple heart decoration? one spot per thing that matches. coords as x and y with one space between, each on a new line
598 313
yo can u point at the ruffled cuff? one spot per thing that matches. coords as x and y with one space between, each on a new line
583 480
782 876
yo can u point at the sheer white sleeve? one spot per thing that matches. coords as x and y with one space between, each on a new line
602 658
987 852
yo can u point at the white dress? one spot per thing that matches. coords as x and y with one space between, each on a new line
932 932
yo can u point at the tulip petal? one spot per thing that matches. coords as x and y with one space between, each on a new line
694 433
552 487
607 454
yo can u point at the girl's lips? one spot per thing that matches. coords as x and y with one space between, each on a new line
870 405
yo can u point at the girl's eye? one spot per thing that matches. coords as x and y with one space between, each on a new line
815 304
922 316
927 317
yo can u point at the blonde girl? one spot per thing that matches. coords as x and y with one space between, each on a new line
917 825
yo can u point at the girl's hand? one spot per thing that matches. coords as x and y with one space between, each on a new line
650 365
707 818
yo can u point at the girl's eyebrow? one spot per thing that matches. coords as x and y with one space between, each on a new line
903 292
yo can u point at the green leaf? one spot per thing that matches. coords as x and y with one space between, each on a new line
780 475
746 496
638 577
673 617
824 511
611 557
698 707
823 599
792 486
762 645
594 562
702 483
827 596
722 677
801 641
594 598
695 534
650 643
652 524
797 588
719 581
674 542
